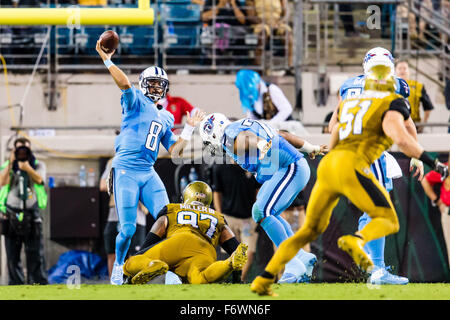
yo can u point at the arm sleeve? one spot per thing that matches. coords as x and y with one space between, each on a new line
162 212
230 245
128 99
401 105
425 99
281 102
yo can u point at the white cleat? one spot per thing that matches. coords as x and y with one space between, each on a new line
117 274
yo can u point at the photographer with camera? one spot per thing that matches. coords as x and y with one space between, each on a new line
22 196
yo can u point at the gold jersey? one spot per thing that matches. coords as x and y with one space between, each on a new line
202 221
360 122
415 89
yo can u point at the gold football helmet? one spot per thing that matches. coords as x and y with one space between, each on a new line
197 193
379 78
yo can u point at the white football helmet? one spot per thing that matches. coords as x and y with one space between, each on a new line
212 129
378 56
154 83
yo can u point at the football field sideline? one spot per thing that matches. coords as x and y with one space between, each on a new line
313 291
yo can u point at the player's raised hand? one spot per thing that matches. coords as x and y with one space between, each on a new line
103 54
196 118
318 150
416 163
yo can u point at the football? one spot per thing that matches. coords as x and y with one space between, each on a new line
109 41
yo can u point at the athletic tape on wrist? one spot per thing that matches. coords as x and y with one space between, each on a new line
186 134
108 63
307 147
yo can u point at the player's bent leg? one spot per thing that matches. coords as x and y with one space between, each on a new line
307 258
369 196
318 213
300 176
135 264
218 270
153 269
374 248
126 195
153 194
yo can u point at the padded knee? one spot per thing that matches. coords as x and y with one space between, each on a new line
257 214
128 230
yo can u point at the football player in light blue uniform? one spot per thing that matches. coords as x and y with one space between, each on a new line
354 87
143 128
281 169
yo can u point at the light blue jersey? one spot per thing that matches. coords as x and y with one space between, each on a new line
355 86
379 170
143 128
281 155
283 173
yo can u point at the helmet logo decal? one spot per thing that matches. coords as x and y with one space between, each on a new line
209 125
369 56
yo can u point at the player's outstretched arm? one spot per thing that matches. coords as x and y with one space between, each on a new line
118 75
176 149
394 127
415 163
303 145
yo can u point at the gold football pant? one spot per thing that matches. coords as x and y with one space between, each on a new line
340 173
188 255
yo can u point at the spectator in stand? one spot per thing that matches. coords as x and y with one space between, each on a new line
112 225
234 192
228 19
177 106
417 95
267 17
260 99
440 200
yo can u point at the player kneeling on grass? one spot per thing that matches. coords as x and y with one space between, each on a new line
190 232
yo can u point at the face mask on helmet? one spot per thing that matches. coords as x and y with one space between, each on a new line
154 88
212 131
153 83
197 193
378 56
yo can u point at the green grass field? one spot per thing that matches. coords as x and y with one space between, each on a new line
323 291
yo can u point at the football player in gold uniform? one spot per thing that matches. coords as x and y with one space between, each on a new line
184 239
368 125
